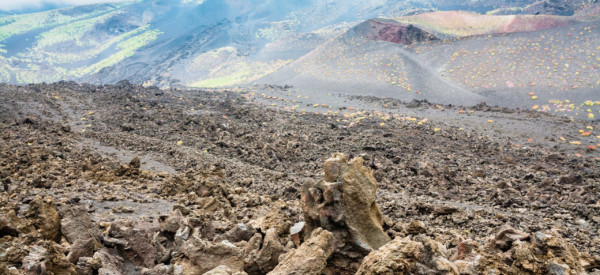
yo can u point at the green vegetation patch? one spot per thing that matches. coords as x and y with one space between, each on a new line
18 24
127 49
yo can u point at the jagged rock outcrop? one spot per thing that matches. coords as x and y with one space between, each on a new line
344 203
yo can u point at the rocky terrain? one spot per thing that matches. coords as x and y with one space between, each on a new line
122 179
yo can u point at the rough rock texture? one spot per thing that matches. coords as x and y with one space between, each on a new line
507 235
44 216
81 248
267 257
76 224
202 256
223 270
344 204
543 253
396 257
230 187
345 200
134 241
391 31
310 258
107 263
7 228
405 256
240 232
47 257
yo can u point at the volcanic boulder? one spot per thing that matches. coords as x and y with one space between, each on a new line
310 258
76 224
344 204
262 259
421 255
44 216
398 256
202 256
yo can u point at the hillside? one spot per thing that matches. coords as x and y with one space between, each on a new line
152 42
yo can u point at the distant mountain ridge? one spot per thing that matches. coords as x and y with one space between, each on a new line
190 43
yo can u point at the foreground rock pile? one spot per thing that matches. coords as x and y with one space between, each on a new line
342 233
85 191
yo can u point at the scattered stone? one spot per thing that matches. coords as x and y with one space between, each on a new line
268 256
223 270
106 263
7 228
396 257
276 219
544 253
406 256
251 254
171 223
135 242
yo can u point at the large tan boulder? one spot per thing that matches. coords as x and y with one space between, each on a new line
344 203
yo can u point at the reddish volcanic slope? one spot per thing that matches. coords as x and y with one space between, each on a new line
392 31
460 24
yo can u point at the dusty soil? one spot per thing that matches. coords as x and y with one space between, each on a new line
130 155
